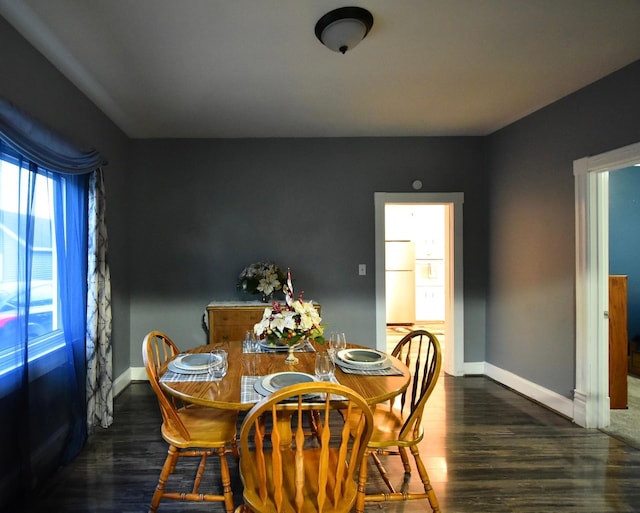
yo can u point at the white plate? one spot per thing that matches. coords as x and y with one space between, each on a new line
362 357
190 363
279 380
179 370
385 364
259 387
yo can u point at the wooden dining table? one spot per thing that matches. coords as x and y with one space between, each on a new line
227 393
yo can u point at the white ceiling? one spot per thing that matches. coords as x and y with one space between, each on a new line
254 68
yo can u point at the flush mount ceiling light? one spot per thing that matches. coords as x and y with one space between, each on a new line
342 29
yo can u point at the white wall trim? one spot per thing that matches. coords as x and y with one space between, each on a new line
124 379
550 399
592 249
614 159
473 368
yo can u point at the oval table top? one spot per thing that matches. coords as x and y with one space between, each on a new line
226 393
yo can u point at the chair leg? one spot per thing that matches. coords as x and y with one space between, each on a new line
234 449
403 494
226 480
405 459
316 424
383 472
200 472
426 482
168 467
404 489
362 484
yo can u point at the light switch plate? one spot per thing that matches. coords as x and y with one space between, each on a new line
362 269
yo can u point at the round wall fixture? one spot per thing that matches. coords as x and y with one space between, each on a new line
417 185
342 29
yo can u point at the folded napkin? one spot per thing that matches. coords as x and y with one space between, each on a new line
391 371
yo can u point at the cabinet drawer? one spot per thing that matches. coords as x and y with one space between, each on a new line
229 334
235 317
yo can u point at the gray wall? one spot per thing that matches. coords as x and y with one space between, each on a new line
30 82
201 210
531 293
184 217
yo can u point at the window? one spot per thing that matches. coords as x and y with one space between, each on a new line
30 313
49 395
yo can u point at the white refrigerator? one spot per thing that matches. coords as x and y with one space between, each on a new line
400 281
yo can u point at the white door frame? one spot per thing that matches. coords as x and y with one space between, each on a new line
591 395
454 306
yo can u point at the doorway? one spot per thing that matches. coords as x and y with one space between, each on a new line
452 280
415 265
591 395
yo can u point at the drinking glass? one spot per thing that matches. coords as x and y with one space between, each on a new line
218 364
324 366
337 342
255 342
247 343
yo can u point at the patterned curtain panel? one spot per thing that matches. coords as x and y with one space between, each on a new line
98 341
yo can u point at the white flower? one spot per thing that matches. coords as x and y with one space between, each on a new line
283 321
269 283
263 325
293 322
308 315
265 287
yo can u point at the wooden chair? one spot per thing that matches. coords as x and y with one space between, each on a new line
285 470
190 431
398 426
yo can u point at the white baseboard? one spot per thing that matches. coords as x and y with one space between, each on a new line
138 374
552 400
580 409
473 368
131 374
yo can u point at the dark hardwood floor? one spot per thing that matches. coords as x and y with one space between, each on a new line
488 450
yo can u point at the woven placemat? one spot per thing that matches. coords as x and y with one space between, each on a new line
171 376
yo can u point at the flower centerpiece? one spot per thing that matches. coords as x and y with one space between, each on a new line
263 278
290 323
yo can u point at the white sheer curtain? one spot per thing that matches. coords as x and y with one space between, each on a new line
28 137
43 406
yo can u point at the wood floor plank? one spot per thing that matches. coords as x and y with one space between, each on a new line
487 450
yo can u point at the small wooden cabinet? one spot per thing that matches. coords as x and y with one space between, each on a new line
228 321
618 342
